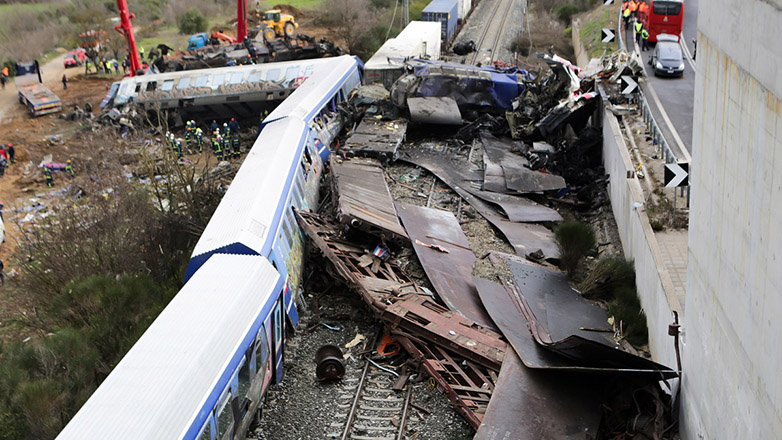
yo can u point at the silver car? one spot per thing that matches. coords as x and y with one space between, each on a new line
667 58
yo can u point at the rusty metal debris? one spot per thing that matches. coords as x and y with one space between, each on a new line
557 317
515 168
363 199
525 238
329 361
469 386
531 405
375 137
450 273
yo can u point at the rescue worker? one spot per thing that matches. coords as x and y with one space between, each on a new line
234 126
626 16
214 127
69 169
178 147
633 8
638 28
215 135
188 134
47 172
11 153
64 82
644 39
226 140
199 139
217 146
141 53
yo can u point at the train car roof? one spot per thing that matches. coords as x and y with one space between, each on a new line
310 97
166 385
247 212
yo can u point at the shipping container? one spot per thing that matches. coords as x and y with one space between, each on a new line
465 6
418 40
447 13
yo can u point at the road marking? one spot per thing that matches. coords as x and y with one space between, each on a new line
664 114
687 53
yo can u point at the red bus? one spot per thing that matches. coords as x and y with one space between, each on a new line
663 17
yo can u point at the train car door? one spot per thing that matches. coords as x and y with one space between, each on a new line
278 339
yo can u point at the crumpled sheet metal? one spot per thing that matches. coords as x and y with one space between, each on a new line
531 405
525 238
363 198
557 316
434 110
449 272
518 177
376 138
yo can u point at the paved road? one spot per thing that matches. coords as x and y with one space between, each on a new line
675 95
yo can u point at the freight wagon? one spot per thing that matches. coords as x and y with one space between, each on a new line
447 13
420 39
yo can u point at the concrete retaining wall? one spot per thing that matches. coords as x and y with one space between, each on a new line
655 288
582 57
732 385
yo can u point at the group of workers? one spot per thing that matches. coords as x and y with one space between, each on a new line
225 143
632 11
102 65
48 171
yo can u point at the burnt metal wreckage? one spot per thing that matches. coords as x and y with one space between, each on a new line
519 353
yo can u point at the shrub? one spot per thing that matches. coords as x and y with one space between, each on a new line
192 22
626 308
575 240
566 11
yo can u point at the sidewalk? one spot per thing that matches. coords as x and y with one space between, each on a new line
673 245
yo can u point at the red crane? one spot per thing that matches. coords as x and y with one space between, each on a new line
126 28
241 20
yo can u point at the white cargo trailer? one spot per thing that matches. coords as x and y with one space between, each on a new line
419 39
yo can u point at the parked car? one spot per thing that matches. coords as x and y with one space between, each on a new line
667 58
75 58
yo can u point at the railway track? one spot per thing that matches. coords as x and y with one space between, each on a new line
495 28
369 409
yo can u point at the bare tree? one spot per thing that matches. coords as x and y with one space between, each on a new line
350 19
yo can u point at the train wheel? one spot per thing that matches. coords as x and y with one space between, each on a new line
289 29
268 34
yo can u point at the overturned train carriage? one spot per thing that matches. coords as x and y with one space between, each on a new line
243 90
200 370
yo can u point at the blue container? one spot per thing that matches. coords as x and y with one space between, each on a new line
446 12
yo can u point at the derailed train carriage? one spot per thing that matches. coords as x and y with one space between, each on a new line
201 369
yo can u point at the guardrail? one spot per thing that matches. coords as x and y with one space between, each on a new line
663 148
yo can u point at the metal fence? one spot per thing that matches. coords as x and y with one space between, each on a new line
663 148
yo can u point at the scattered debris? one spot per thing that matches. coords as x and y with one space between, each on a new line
330 365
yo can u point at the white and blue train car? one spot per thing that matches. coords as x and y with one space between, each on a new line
200 370
281 172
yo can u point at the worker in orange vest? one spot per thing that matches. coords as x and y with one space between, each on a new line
643 9
633 8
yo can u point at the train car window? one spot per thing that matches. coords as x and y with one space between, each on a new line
262 351
273 75
243 378
278 323
168 85
255 76
151 86
201 81
291 218
236 78
206 431
287 230
138 88
183 83
217 80
225 419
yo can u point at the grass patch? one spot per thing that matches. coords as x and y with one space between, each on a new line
612 280
306 5
34 7
575 240
592 23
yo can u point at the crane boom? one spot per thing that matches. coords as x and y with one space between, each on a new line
126 28
241 20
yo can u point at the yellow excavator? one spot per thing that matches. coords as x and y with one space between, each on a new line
275 23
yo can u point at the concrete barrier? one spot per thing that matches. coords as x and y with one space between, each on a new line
582 57
653 281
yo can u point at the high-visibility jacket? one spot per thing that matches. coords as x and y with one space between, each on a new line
638 27
625 5
643 8
645 34
633 6
626 13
